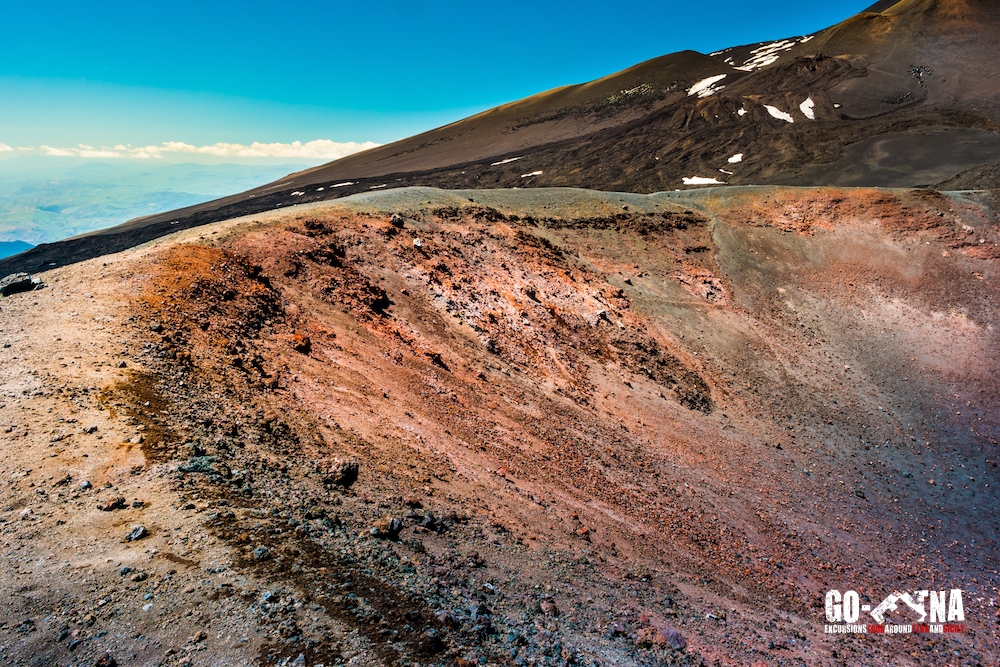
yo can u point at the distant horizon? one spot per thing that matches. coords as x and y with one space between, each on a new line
88 84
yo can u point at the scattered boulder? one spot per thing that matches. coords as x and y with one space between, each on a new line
342 473
653 636
16 283
86 485
387 527
397 221
112 505
261 554
106 660
301 343
549 608
448 618
137 533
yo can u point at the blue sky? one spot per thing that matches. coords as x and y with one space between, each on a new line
135 74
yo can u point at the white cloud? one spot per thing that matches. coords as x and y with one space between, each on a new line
58 152
4 147
319 149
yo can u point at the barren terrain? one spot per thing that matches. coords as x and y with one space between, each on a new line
588 428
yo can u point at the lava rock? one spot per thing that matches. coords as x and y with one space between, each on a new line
112 505
199 464
343 473
137 533
301 343
16 283
387 527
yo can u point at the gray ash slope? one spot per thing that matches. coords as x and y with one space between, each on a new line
902 95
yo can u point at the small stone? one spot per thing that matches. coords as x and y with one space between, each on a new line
137 533
549 608
125 571
139 576
106 660
156 327
397 220
343 473
301 343
261 554
418 244
446 617
387 527
112 505
299 661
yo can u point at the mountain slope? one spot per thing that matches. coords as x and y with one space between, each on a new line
901 97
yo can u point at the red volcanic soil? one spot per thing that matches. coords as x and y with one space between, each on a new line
588 428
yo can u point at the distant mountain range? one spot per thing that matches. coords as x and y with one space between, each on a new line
8 248
901 95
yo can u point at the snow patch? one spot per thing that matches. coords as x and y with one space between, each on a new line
707 87
736 158
297 194
768 54
534 173
379 187
342 185
319 189
807 108
742 112
701 180
728 173
779 114
507 161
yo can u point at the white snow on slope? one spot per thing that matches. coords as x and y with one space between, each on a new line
342 185
707 87
701 180
768 54
742 112
508 160
736 158
779 114
534 173
807 108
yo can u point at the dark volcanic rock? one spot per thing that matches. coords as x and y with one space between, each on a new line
15 283
343 473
